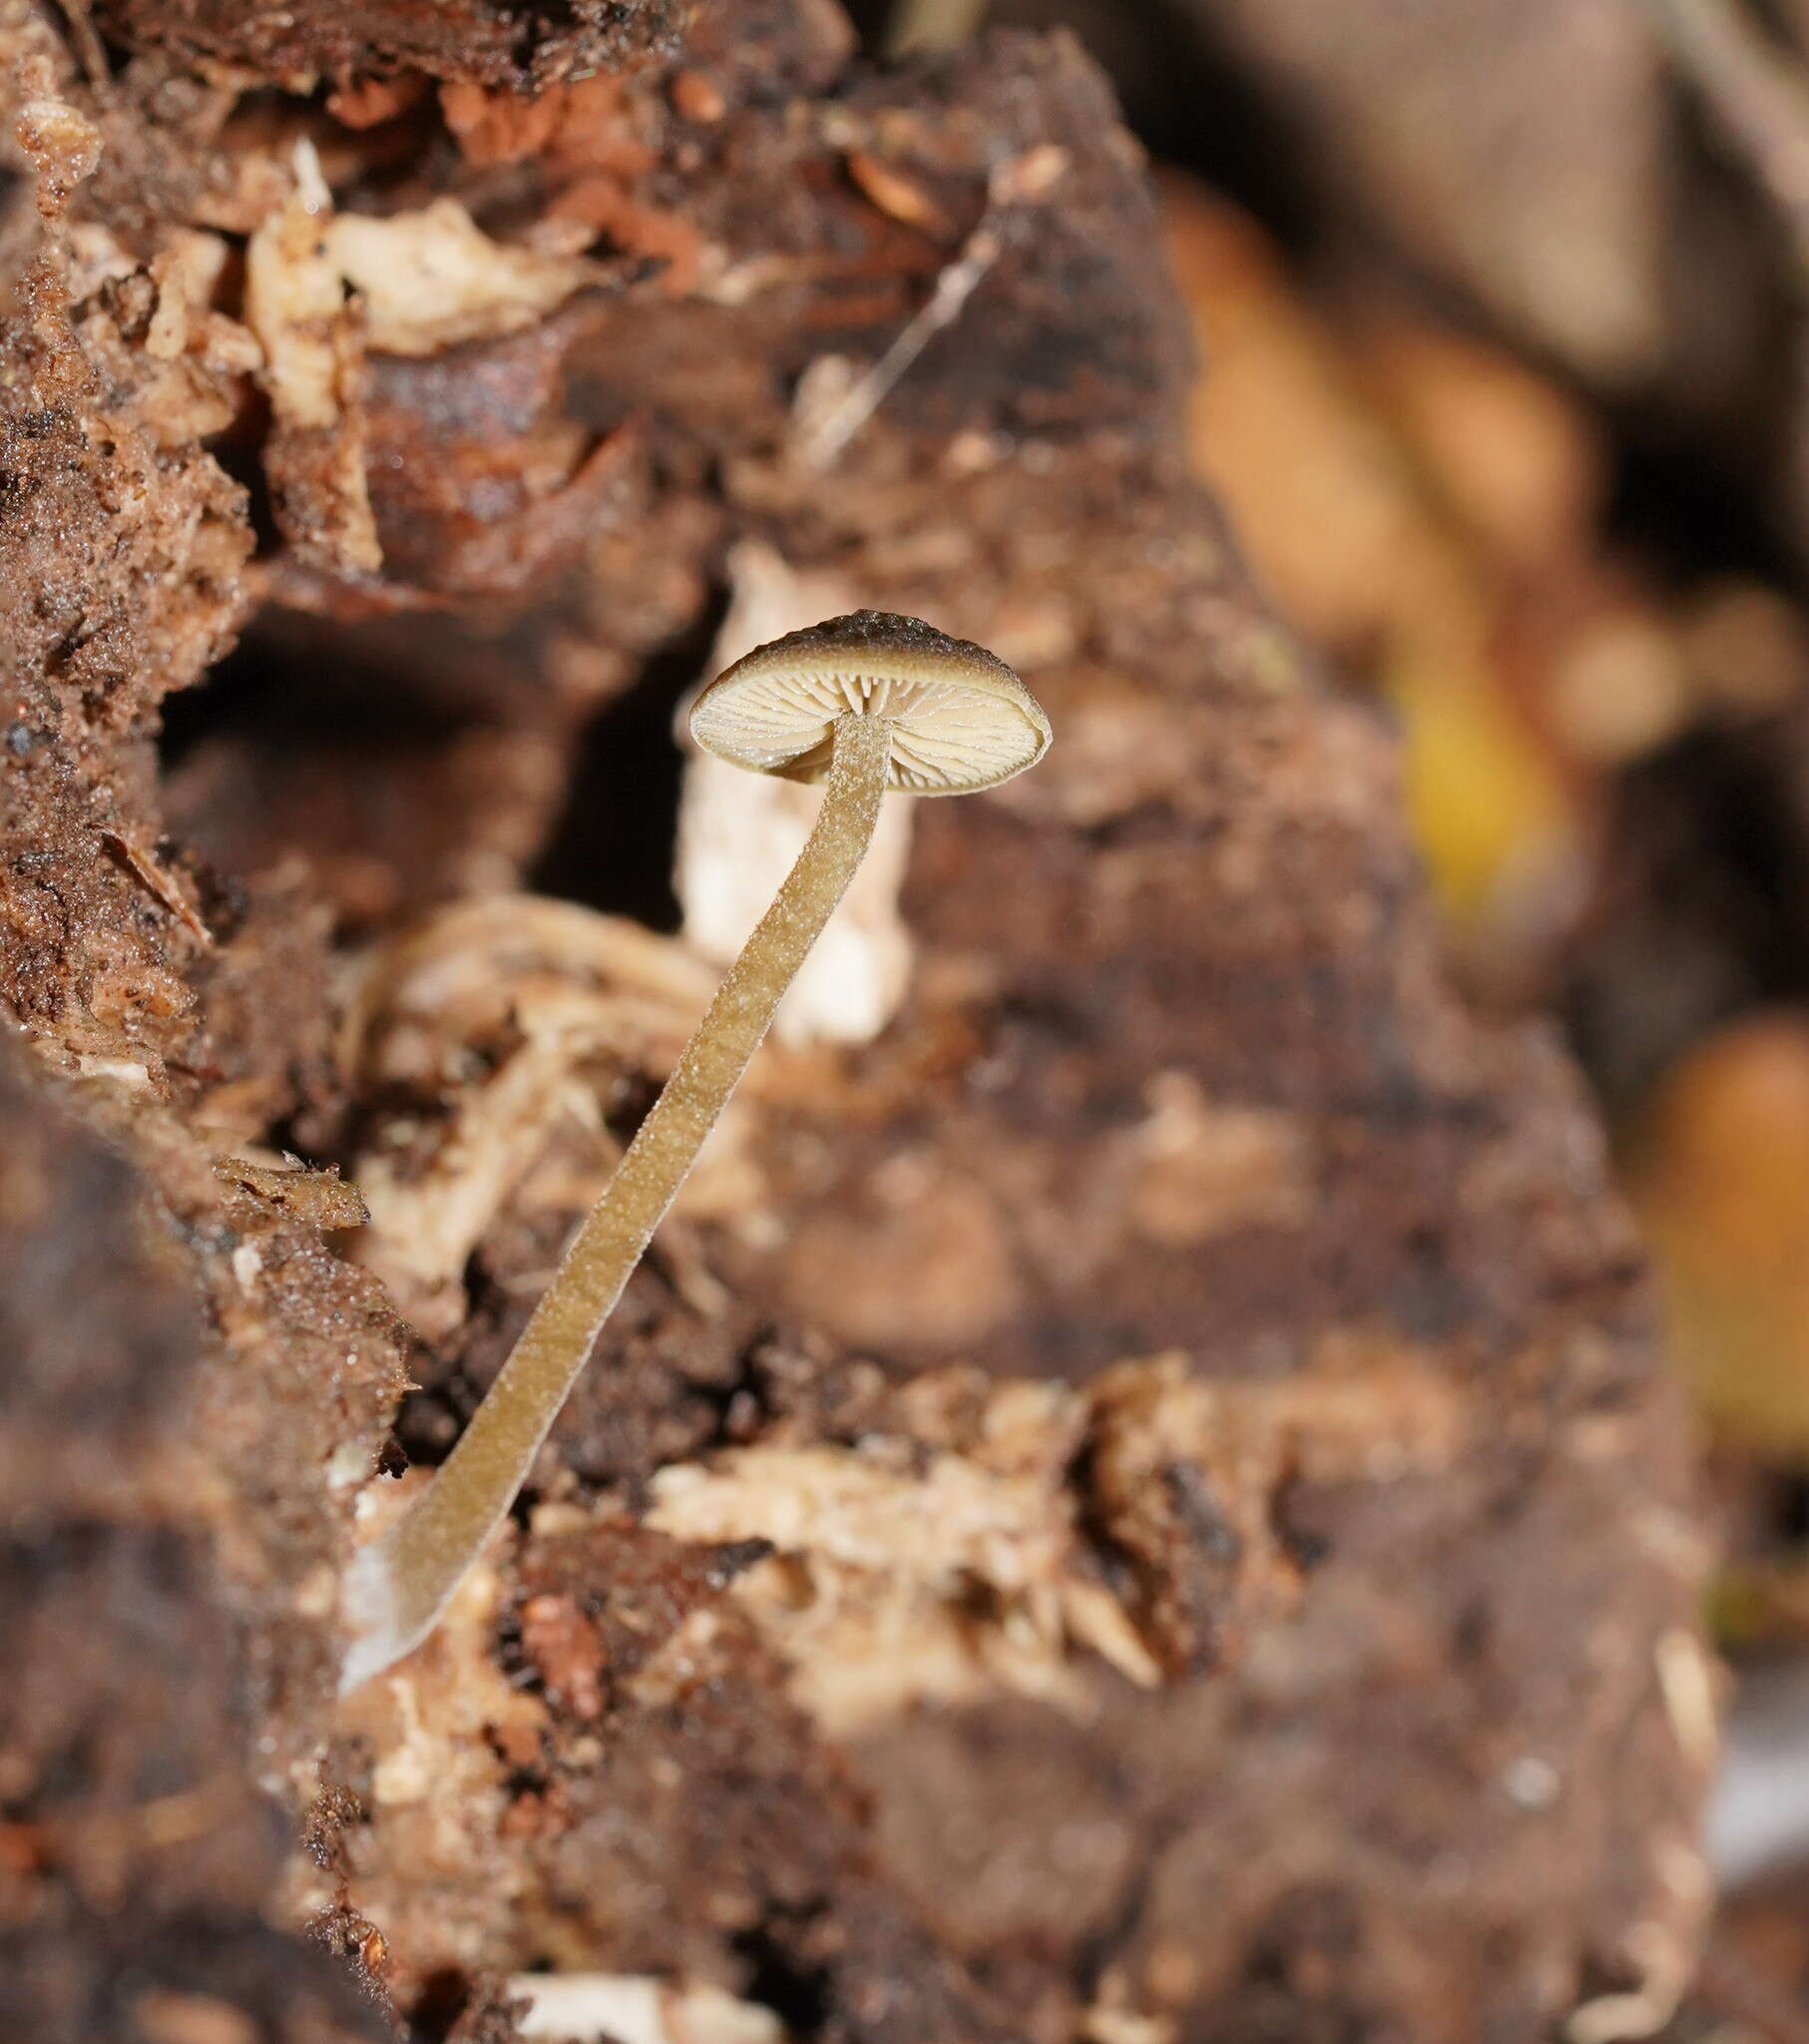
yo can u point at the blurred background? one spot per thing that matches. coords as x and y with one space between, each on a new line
1505 315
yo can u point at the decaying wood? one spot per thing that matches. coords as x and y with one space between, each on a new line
1149 1482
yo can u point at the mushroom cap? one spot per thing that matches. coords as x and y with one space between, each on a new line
960 718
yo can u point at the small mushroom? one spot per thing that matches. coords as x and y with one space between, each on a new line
739 833
865 702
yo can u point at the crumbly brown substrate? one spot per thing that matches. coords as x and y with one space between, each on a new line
1139 1504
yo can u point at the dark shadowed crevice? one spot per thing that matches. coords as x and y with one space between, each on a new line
797 1995
613 847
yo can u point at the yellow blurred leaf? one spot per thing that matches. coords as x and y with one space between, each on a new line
1317 491
1721 1178
1485 802
1364 546
1515 461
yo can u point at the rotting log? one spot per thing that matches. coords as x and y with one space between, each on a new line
1233 1568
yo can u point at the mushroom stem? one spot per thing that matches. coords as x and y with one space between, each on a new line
397 1586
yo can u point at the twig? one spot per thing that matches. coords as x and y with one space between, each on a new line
86 38
1758 94
1020 181
158 884
826 437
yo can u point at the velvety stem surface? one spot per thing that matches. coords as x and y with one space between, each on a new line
398 1585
